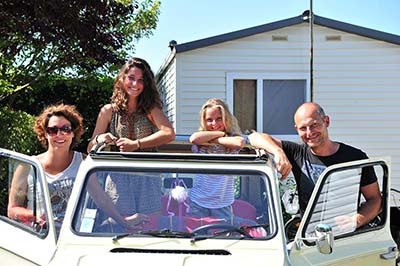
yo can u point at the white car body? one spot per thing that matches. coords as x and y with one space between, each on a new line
78 244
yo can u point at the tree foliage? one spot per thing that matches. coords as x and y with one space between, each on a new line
16 132
69 37
88 94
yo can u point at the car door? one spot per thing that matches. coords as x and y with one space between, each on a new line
24 241
337 195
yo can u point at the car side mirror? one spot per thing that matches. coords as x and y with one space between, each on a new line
324 238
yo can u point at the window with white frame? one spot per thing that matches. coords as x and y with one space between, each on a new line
266 103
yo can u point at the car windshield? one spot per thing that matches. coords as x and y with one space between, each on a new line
185 204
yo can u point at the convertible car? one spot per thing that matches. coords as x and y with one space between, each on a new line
158 186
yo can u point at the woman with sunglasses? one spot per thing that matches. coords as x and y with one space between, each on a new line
59 129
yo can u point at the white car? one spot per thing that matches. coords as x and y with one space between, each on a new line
160 184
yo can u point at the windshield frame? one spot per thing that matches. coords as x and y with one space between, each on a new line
205 169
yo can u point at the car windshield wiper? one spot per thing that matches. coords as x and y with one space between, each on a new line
167 233
159 233
241 230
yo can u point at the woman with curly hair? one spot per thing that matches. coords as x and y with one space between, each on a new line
134 119
59 129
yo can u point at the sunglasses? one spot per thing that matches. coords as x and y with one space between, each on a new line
52 131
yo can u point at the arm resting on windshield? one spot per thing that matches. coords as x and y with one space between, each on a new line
273 146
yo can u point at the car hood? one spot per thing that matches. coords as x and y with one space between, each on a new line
174 259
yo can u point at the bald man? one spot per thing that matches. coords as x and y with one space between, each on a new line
314 155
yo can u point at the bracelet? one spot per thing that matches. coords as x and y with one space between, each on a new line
95 139
138 144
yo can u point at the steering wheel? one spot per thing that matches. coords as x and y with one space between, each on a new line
205 228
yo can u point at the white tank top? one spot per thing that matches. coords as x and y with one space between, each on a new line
60 188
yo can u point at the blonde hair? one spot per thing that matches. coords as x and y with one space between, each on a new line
230 122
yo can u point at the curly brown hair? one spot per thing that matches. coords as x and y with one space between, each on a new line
69 112
150 96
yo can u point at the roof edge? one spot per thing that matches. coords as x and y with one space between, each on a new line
238 34
318 20
355 29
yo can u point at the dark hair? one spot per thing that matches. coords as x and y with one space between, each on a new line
150 96
69 112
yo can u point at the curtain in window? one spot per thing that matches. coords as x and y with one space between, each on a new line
244 98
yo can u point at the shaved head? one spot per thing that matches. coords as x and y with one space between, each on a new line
309 109
312 125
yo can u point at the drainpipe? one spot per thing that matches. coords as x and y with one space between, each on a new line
311 21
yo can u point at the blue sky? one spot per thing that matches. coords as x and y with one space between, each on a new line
189 20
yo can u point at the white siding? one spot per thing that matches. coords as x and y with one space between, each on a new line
356 80
203 71
167 86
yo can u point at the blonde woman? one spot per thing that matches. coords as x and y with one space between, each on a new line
213 195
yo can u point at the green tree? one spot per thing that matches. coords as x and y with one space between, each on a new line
39 38
16 132
88 94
